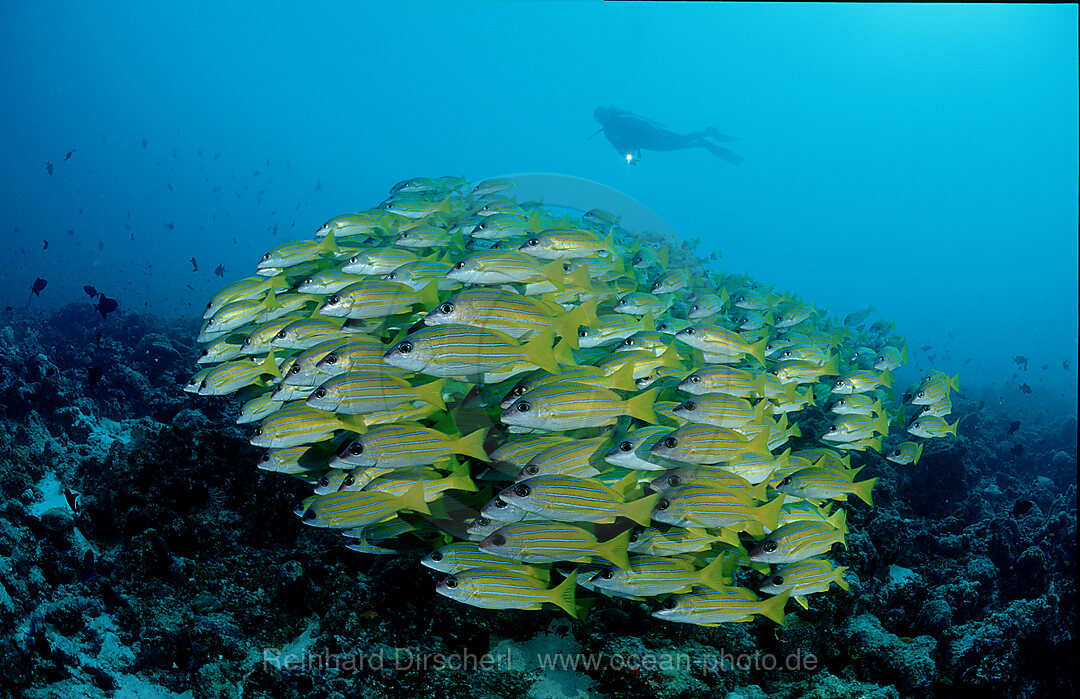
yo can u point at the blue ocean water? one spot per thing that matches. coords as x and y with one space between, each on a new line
922 159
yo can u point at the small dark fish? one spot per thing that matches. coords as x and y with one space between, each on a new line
38 286
69 154
1021 361
48 168
45 245
88 571
169 185
72 497
90 291
105 305
194 265
133 235
70 232
1013 427
1022 507
318 184
220 270
101 245
982 404
1065 365
94 375
144 144
1024 388
1045 367
170 226
926 348
1017 449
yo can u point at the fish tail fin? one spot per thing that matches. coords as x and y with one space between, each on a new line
413 499
614 550
554 273
952 427
795 430
838 520
609 241
876 407
269 365
562 595
564 354
757 350
580 279
758 491
773 608
328 244
769 513
457 239
832 367
429 295
640 511
839 577
432 393
918 454
662 255
881 424
875 444
353 423
715 575
539 351
622 379
648 323
886 378
903 354
459 478
760 444
271 300
473 444
641 406
802 602
540 572
670 358
864 490
954 383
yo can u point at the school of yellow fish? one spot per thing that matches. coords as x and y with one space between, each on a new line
537 401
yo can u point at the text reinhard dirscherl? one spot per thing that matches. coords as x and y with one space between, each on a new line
408 660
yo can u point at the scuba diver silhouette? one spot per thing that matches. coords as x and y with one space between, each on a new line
630 133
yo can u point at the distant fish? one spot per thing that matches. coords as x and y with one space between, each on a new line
1022 507
1045 367
220 270
94 375
1021 361
69 154
1065 365
1024 388
90 291
105 305
194 265
170 226
38 286
926 348
1013 427
144 144
318 184
45 245
857 317
49 168
169 185
1017 449
70 232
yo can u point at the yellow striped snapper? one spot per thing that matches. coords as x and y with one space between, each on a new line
417 275
288 304
633 451
235 314
804 578
232 376
565 244
505 588
670 281
220 350
935 387
941 408
426 236
650 257
407 444
824 483
366 223
298 424
906 453
639 303
707 475
714 608
649 576
368 392
504 225
721 410
257 408
327 282
357 356
716 339
706 306
303 370
307 333
243 290
752 300
295 252
416 206
570 499
857 404
802 371
348 509
804 351
714 507
705 444
379 261
581 458
516 452
574 406
890 358
755 468
796 541
806 511
504 267
608 329
932 426
862 381
794 401
305 458
794 315
852 428
723 379
374 298
467 555
621 380
550 542
399 481
675 541
426 185
516 315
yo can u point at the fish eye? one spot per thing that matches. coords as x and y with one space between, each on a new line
532 469
266 256
663 504
671 442
668 604
309 514
324 481
524 406
695 307
295 368
265 459
832 428
348 481
840 402
447 307
330 359
481 521
354 259
498 540
583 332
451 582
634 535
459 265
257 432
916 425
404 235
404 347
334 299
626 446
689 405
533 241
282 335
769 546
920 394
695 379
674 480
689 331
839 382
320 393
606 574
522 491
786 481
499 503
778 580
392 275
628 342
356 448
436 556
